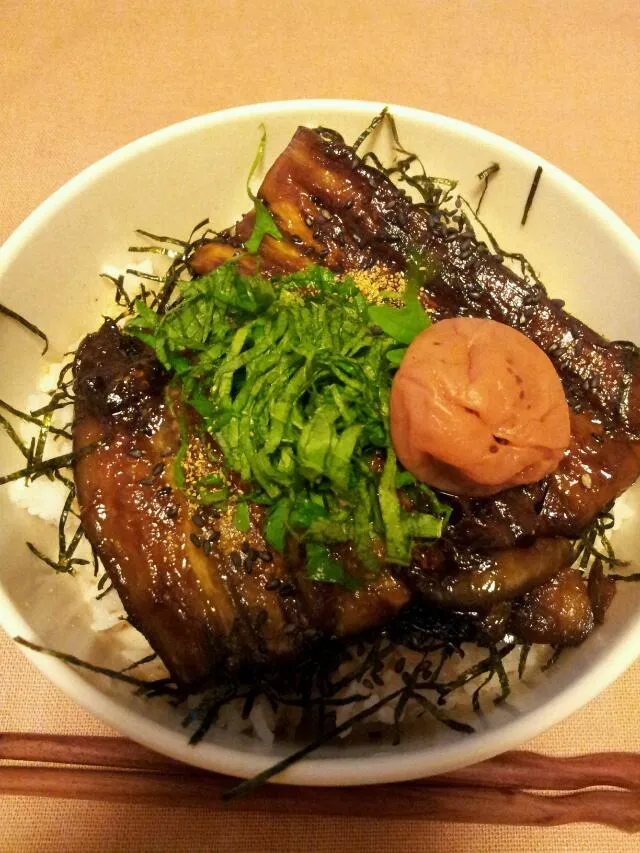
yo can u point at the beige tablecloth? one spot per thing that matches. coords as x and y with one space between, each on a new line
80 78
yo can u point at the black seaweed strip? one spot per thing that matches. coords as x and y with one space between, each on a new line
25 416
485 176
250 784
27 325
370 128
146 659
164 683
15 438
532 192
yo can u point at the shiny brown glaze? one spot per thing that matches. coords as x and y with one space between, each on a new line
199 605
598 467
461 579
601 589
559 612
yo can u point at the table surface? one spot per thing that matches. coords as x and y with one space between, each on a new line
79 78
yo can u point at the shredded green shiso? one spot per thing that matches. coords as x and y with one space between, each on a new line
264 224
291 379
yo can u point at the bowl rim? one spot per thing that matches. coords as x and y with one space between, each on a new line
319 770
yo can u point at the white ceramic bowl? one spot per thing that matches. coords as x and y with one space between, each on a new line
172 179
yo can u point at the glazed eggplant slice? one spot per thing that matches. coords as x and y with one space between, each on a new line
459 579
601 589
210 599
597 468
559 612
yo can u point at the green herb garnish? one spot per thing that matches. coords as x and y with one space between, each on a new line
292 383
321 566
404 324
264 223
241 519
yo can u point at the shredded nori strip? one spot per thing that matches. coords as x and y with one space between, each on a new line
13 435
485 176
249 785
43 432
122 297
179 265
29 418
59 400
57 567
153 250
141 662
370 128
221 696
436 712
161 238
553 659
27 325
44 466
532 192
104 592
527 271
165 685
524 654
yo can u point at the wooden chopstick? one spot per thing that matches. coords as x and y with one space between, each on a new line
412 800
517 770
89 750
498 791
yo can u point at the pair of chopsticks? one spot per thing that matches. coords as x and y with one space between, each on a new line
516 788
